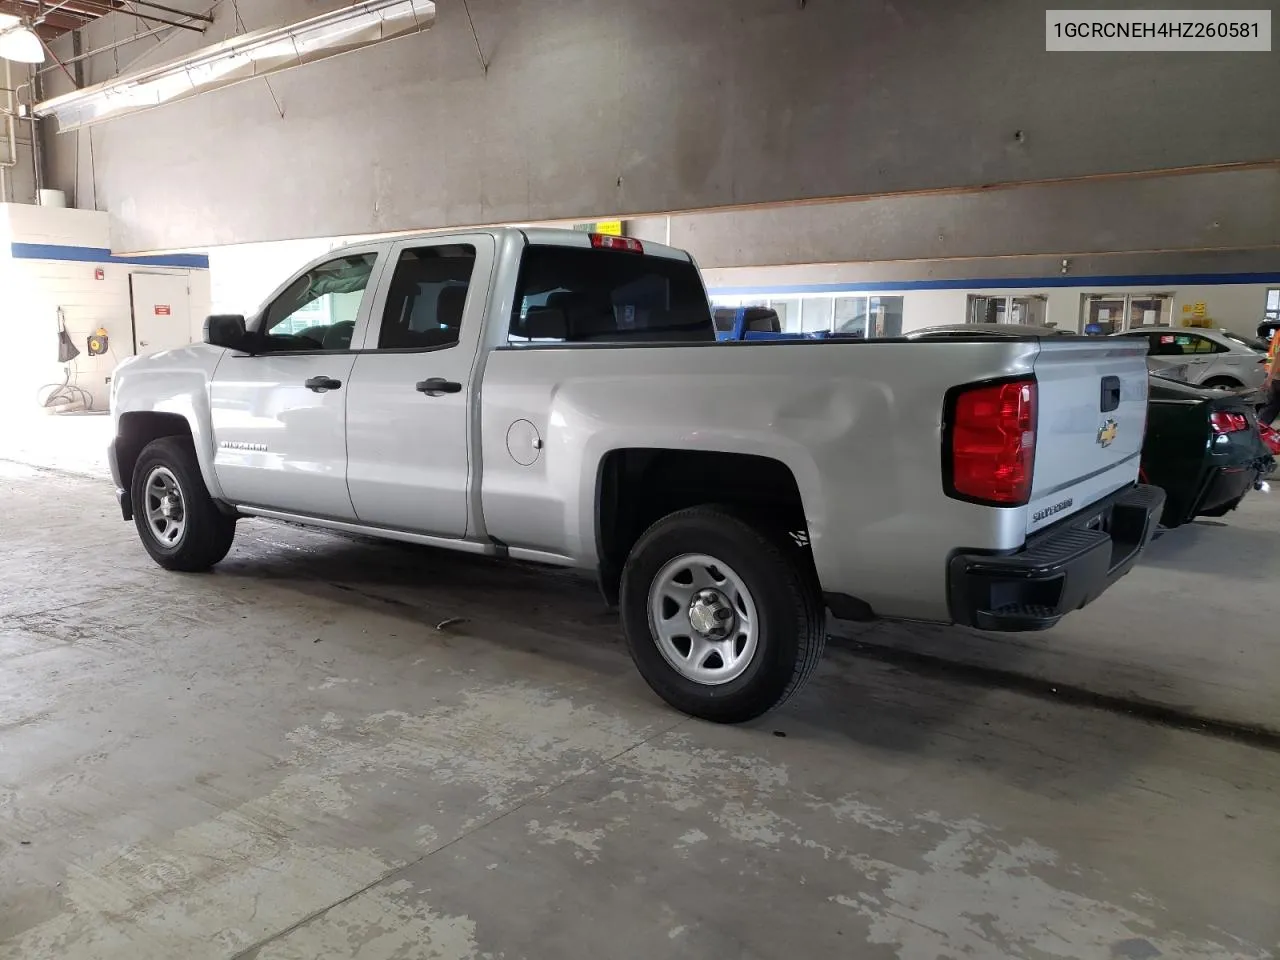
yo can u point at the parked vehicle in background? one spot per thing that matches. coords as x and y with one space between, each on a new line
962 331
1267 330
1209 358
748 323
558 397
1203 448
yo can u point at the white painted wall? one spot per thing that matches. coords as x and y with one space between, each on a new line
66 226
32 291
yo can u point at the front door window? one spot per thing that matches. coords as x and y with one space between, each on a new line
318 310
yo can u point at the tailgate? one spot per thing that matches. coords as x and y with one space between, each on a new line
1092 416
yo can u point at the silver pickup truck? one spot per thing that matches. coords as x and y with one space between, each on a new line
560 397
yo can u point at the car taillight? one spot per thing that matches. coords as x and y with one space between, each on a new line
1223 422
992 443
604 241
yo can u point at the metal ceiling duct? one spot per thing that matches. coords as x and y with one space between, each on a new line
245 57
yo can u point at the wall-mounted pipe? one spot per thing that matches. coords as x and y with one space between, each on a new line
8 129
132 38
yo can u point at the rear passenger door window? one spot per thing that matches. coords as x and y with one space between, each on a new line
577 295
426 298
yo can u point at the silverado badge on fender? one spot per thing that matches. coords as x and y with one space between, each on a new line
1107 433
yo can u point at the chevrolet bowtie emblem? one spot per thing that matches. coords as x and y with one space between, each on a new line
1107 433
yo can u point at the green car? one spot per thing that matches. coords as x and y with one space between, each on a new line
1202 448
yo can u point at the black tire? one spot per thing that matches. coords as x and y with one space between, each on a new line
791 618
1222 383
206 532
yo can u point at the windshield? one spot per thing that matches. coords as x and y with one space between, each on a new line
1249 342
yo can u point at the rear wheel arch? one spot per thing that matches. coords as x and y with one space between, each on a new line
636 487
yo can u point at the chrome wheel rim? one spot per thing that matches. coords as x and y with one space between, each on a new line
703 619
165 507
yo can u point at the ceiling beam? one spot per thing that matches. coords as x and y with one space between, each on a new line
53 23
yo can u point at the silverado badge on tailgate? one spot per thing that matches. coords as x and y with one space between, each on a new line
1107 433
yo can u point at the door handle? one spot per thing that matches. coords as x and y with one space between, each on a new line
438 387
1110 395
322 384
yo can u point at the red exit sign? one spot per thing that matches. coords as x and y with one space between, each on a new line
162 310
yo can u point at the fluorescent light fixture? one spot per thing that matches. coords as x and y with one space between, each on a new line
19 43
244 57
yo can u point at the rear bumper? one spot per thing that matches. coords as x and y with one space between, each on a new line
122 494
1058 570
1228 484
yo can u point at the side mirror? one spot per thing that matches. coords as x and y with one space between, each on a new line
225 330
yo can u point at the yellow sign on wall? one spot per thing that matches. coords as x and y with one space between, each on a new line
1196 314
610 228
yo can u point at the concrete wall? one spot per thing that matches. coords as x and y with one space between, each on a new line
1231 210
597 107
979 270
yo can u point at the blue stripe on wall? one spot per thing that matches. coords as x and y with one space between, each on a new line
55 251
1005 283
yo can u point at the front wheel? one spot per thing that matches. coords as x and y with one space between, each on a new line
723 621
178 522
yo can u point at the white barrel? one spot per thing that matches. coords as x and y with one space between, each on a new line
53 198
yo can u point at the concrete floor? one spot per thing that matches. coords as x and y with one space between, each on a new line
288 758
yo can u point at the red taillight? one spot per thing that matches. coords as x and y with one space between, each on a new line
993 443
1223 422
604 241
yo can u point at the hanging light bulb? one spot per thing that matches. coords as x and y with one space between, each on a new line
19 43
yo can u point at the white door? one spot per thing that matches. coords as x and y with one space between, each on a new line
161 311
279 416
408 407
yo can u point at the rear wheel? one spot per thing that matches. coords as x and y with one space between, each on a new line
178 522
723 621
1222 383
